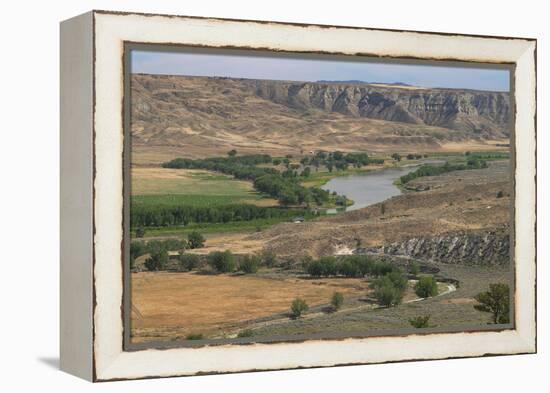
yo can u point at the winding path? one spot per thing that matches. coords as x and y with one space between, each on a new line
255 325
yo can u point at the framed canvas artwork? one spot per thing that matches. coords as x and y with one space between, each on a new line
247 195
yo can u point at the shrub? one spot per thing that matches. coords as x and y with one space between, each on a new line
136 249
341 200
500 194
222 261
195 239
268 258
154 246
249 264
398 279
140 232
189 261
426 287
387 295
297 307
390 289
306 261
496 301
194 336
245 333
157 261
337 300
420 322
414 269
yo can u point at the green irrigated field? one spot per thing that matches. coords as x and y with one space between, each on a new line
176 187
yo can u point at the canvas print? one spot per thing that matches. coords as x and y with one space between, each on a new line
277 197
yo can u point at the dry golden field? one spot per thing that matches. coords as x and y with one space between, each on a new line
171 305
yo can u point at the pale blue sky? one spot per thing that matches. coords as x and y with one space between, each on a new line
303 69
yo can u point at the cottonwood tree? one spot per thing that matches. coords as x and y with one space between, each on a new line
495 301
426 287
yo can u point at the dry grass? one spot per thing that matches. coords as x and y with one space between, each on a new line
234 242
172 305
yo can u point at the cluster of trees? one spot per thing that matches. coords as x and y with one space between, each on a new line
283 186
339 161
410 156
158 216
434 170
234 165
390 281
288 191
488 155
347 266
226 261
158 249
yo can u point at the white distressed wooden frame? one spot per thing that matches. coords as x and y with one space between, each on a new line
92 194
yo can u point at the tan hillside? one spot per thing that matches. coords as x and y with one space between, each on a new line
197 116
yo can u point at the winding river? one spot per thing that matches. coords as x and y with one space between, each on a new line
366 189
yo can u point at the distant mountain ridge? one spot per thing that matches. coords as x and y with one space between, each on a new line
478 112
248 114
360 82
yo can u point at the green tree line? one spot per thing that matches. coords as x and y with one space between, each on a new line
347 266
158 216
434 170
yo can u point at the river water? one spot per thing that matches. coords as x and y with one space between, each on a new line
367 188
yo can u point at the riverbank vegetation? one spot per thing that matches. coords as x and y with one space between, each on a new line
283 186
434 170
